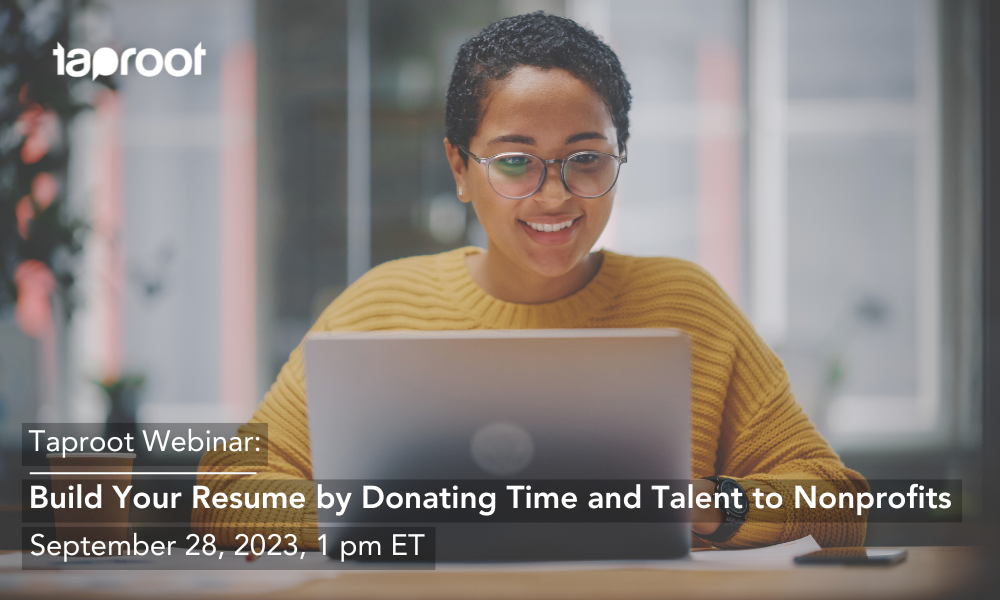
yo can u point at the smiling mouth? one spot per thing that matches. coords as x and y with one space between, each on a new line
550 227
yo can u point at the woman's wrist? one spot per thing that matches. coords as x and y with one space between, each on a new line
704 521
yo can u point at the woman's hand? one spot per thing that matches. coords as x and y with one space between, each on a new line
705 520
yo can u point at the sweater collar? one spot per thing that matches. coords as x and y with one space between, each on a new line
492 313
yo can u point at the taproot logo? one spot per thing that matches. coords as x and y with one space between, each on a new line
106 61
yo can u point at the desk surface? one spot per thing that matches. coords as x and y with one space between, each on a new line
928 572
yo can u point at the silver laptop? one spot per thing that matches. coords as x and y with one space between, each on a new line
583 404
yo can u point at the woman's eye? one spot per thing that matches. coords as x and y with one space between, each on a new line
585 159
513 164
514 161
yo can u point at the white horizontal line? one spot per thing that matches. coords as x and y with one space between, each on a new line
143 473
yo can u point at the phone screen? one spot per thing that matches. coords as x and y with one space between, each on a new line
853 556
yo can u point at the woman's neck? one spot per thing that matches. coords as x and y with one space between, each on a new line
505 280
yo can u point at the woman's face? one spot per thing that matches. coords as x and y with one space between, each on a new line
551 114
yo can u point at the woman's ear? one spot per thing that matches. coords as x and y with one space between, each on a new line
458 169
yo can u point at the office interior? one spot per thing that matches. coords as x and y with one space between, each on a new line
820 158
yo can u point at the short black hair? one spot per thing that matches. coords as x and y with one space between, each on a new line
537 40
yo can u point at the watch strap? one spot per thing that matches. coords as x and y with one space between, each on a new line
730 522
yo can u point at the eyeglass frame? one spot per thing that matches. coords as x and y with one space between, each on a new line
545 169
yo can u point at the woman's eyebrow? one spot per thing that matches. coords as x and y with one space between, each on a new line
530 141
513 139
589 135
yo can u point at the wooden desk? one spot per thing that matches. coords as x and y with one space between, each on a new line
928 572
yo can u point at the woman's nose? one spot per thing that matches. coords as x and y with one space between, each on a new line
552 192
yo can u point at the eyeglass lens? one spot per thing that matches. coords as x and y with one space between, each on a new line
588 175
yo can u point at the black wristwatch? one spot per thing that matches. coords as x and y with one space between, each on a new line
733 516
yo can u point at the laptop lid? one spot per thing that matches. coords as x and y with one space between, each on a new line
525 404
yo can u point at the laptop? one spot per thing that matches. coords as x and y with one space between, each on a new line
575 404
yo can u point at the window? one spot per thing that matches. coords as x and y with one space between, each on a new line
792 149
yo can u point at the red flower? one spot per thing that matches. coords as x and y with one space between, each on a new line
34 284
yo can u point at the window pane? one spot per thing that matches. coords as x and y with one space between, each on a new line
861 204
851 49
852 266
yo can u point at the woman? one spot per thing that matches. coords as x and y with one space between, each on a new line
537 122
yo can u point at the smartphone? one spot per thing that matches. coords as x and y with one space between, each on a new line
853 556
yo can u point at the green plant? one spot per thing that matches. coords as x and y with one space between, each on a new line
123 397
36 108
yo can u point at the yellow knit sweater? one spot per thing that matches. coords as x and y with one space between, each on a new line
745 421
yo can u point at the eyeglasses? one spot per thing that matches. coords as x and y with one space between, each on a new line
517 175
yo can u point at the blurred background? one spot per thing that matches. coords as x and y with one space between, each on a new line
167 241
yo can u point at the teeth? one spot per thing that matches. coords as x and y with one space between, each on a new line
548 226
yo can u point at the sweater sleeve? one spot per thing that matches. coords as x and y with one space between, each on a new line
288 470
772 451
764 440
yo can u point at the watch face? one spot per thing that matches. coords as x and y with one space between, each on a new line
727 487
